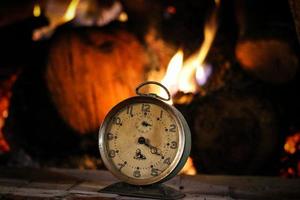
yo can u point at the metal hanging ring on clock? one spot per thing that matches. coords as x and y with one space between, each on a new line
137 90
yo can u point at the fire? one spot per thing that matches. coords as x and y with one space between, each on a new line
290 160
186 76
56 18
292 143
36 10
188 168
71 11
171 78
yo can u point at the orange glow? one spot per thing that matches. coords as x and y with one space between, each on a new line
36 10
188 168
292 143
71 10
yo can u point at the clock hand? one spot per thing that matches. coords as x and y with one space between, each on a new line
144 123
153 149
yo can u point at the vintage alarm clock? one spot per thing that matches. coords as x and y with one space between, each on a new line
144 140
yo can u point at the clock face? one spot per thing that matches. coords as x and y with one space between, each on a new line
142 142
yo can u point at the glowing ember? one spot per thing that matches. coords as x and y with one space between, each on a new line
5 94
188 168
171 10
292 143
290 160
36 10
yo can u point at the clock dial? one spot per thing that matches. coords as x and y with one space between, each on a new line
142 143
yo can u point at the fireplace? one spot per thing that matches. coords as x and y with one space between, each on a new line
232 71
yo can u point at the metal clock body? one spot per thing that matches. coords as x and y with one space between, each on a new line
143 141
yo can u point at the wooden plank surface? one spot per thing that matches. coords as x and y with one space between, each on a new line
71 184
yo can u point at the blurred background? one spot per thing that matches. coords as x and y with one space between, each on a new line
232 68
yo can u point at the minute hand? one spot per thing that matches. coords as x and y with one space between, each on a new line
153 149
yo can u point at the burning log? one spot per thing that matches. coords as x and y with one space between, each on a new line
234 133
267 45
270 60
89 71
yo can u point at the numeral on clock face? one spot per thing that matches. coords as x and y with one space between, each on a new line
121 165
110 136
173 145
154 172
167 161
145 108
129 110
117 121
172 128
137 173
112 153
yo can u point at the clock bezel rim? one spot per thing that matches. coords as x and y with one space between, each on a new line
183 144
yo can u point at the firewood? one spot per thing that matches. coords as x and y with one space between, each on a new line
267 44
295 8
233 133
270 60
89 71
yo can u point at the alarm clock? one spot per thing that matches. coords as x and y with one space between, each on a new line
143 140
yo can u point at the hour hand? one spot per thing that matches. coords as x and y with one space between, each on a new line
146 124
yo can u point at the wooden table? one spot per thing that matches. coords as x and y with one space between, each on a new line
76 184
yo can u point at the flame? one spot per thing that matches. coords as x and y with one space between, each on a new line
36 10
188 168
172 74
202 73
186 76
56 18
71 10
292 143
194 64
